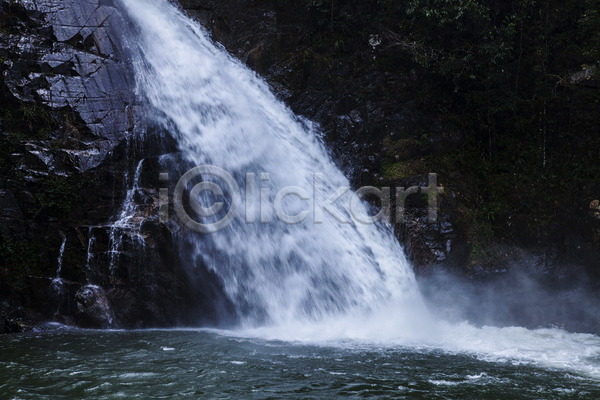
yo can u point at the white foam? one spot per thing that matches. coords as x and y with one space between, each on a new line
442 382
546 348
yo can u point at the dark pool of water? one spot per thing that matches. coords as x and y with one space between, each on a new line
199 364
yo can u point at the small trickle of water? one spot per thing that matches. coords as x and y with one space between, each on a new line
90 254
57 282
128 208
127 222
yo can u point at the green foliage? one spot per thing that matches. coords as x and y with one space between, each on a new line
342 18
22 257
589 31
394 171
464 16
506 70
25 120
57 196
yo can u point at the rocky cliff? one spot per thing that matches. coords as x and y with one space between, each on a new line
74 152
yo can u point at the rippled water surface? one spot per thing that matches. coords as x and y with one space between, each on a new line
206 364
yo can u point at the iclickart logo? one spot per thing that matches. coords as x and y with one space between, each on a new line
208 199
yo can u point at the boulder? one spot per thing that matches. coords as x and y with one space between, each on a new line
93 309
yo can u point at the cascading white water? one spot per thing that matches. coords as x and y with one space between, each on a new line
307 281
126 221
223 114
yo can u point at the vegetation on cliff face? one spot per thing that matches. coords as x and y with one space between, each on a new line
519 79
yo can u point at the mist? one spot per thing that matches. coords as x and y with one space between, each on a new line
521 295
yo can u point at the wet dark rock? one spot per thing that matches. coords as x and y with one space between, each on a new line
19 319
9 208
93 309
427 244
67 59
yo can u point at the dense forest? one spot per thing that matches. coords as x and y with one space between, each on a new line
519 81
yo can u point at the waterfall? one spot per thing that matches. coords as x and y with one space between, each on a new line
222 114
